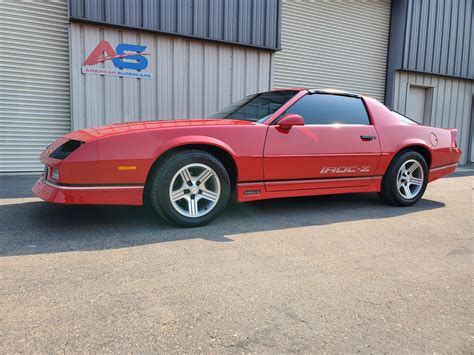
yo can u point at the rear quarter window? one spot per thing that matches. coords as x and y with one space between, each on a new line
404 119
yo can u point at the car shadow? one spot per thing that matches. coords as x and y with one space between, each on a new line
38 227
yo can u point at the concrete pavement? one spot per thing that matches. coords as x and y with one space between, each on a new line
327 274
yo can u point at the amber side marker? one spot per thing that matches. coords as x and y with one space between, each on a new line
127 167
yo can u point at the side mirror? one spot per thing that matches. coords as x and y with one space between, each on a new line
290 120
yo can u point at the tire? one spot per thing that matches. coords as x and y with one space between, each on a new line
399 186
189 188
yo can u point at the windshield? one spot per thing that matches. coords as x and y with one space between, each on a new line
257 107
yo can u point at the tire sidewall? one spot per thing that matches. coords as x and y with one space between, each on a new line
161 199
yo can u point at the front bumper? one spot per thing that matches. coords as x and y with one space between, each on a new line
88 195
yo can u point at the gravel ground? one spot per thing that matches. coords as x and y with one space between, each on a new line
327 274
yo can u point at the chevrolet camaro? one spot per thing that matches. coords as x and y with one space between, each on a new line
281 143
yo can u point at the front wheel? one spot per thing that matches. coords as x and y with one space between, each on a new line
190 188
405 180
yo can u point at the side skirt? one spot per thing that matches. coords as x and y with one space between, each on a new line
254 191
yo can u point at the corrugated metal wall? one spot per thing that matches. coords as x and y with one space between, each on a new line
336 44
439 37
34 81
450 106
190 78
249 22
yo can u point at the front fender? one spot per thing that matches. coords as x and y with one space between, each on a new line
128 158
192 140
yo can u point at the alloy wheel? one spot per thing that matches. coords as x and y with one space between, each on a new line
195 190
410 179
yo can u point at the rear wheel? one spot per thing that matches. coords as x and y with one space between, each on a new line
190 188
405 181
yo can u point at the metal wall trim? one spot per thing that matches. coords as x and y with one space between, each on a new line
172 34
436 74
239 22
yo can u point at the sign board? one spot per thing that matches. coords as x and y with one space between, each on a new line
128 60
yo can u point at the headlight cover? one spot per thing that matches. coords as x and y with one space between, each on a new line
63 151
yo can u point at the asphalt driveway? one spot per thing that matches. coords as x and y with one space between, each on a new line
333 274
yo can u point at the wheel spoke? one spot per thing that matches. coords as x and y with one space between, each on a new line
209 195
204 176
399 183
412 168
416 181
407 191
178 195
186 176
193 206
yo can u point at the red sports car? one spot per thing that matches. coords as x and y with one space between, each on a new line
282 143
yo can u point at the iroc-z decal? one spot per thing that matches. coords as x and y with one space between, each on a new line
345 169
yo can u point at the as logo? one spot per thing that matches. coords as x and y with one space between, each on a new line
123 52
124 57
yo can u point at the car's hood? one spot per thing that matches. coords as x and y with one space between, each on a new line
89 134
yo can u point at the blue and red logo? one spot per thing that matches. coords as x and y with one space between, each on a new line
128 59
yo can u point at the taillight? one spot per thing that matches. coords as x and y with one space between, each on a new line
454 138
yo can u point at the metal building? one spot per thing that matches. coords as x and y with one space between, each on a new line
59 66
430 75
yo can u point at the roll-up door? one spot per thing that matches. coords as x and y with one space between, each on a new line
334 44
34 81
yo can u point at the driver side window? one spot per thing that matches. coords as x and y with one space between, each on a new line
325 109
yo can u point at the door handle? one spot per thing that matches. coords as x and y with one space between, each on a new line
367 138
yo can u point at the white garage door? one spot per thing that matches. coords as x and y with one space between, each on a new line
34 81
334 44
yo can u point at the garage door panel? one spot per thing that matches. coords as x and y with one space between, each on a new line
34 81
334 44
